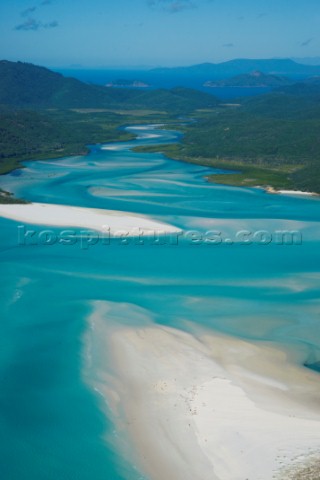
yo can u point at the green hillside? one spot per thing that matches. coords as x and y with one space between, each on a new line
273 140
24 85
26 134
45 115
270 139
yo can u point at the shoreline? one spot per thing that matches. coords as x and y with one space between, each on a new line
299 193
105 221
204 406
144 149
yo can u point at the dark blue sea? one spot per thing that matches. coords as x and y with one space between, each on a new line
156 80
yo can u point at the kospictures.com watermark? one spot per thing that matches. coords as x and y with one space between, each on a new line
86 239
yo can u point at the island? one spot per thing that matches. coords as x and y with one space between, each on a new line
123 83
252 79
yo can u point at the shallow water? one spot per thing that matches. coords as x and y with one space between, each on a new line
52 425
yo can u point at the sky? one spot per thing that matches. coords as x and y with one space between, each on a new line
150 33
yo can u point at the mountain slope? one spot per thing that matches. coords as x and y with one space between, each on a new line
25 85
177 99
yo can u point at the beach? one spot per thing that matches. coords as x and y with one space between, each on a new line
205 406
289 192
177 360
105 221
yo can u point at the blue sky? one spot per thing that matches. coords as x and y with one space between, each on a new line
102 33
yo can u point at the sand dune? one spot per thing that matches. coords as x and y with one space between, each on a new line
209 407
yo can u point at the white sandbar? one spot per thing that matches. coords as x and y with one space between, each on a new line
297 192
208 407
89 218
289 192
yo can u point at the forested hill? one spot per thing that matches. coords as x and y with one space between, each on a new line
272 139
25 85
252 79
44 114
242 66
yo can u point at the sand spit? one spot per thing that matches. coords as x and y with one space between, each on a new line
206 406
88 218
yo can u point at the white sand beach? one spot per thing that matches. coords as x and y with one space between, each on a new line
89 218
298 192
289 192
208 406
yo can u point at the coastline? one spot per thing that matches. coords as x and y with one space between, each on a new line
239 174
105 221
245 172
205 406
273 190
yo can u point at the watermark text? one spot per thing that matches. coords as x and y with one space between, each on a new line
87 239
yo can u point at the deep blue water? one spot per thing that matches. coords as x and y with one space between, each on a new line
51 421
156 80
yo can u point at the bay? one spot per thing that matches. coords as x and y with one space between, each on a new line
52 423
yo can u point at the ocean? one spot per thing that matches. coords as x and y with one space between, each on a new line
156 80
231 272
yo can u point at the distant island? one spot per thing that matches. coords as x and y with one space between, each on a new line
252 79
241 66
270 140
127 84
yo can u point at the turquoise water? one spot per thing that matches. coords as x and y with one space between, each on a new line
51 422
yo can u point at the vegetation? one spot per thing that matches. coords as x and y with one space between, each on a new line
8 198
60 116
238 172
253 79
52 90
28 134
53 133
270 140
